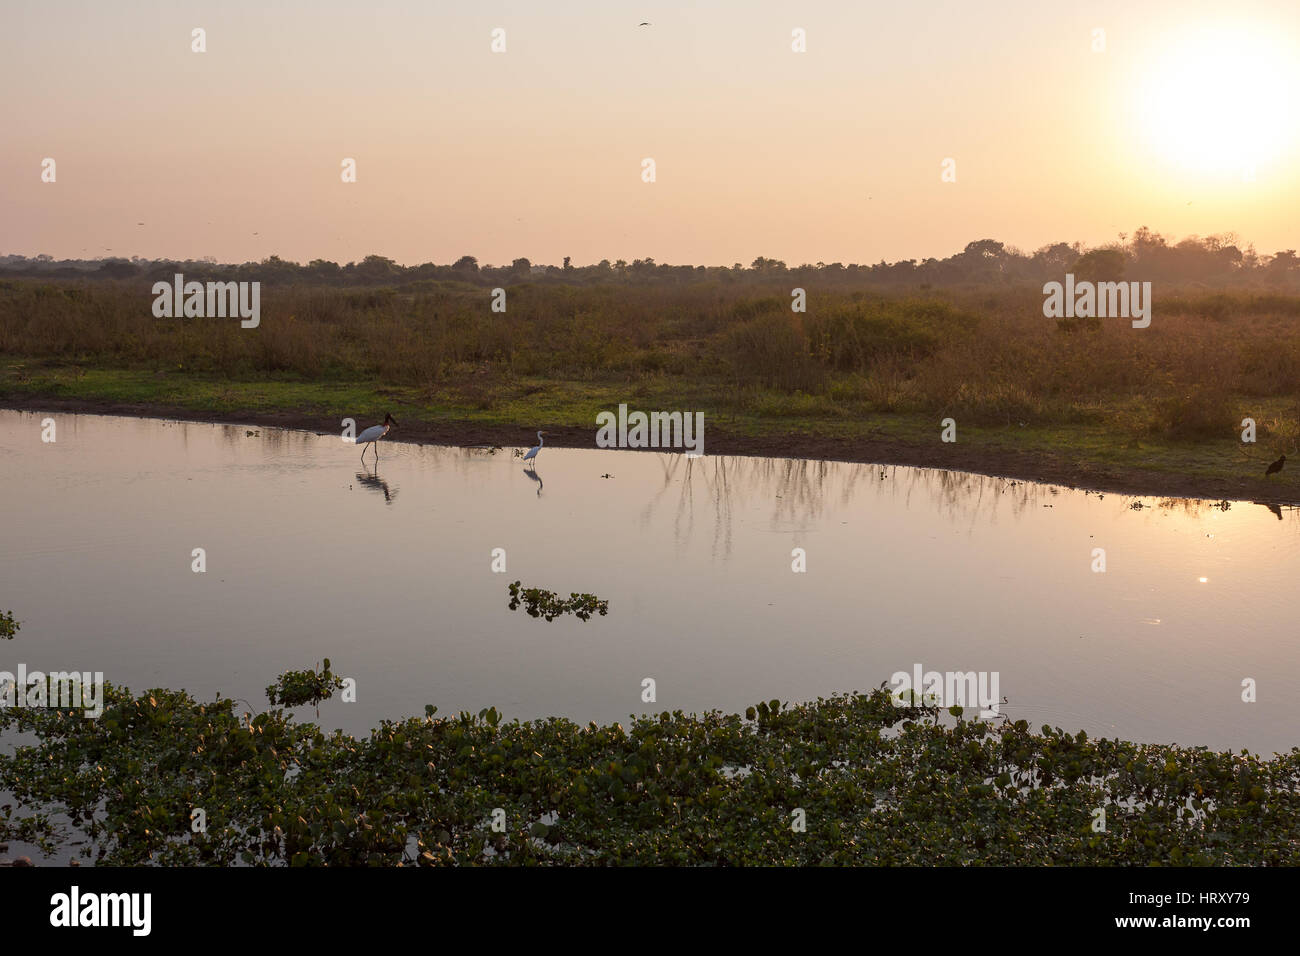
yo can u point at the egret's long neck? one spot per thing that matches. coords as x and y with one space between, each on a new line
540 440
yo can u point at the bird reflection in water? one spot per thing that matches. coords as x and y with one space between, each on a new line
532 473
370 479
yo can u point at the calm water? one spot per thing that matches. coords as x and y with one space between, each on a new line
389 574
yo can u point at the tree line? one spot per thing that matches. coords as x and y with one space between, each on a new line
1219 260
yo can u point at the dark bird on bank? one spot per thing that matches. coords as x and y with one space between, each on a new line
644 23
1274 468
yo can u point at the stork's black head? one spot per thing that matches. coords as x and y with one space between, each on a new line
389 419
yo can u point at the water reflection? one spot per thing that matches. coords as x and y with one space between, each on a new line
799 492
703 495
956 571
370 479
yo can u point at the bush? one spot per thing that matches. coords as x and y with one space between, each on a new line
772 351
1202 412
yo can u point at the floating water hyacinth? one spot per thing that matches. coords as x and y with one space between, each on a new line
8 626
541 603
295 688
845 780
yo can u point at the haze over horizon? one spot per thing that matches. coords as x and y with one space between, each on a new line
1185 122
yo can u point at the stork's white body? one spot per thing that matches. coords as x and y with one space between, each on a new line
373 433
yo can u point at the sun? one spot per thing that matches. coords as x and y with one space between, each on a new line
1220 99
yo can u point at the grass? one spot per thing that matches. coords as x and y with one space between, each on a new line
857 367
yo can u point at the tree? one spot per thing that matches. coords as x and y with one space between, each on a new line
1101 265
376 267
1057 257
1284 263
117 269
984 249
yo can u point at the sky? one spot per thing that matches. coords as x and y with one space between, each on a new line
1185 121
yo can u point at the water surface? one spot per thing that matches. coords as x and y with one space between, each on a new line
388 572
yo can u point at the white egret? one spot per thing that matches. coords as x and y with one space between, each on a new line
532 452
375 432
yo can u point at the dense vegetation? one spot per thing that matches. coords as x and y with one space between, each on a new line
984 356
876 784
879 354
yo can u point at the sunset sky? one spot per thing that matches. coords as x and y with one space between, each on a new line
830 155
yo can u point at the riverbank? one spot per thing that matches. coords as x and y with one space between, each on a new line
862 375
1081 456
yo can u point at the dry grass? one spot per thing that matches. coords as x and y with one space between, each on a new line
987 354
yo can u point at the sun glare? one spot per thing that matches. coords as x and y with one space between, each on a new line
1220 100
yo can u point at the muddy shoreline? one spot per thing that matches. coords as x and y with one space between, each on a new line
1049 469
